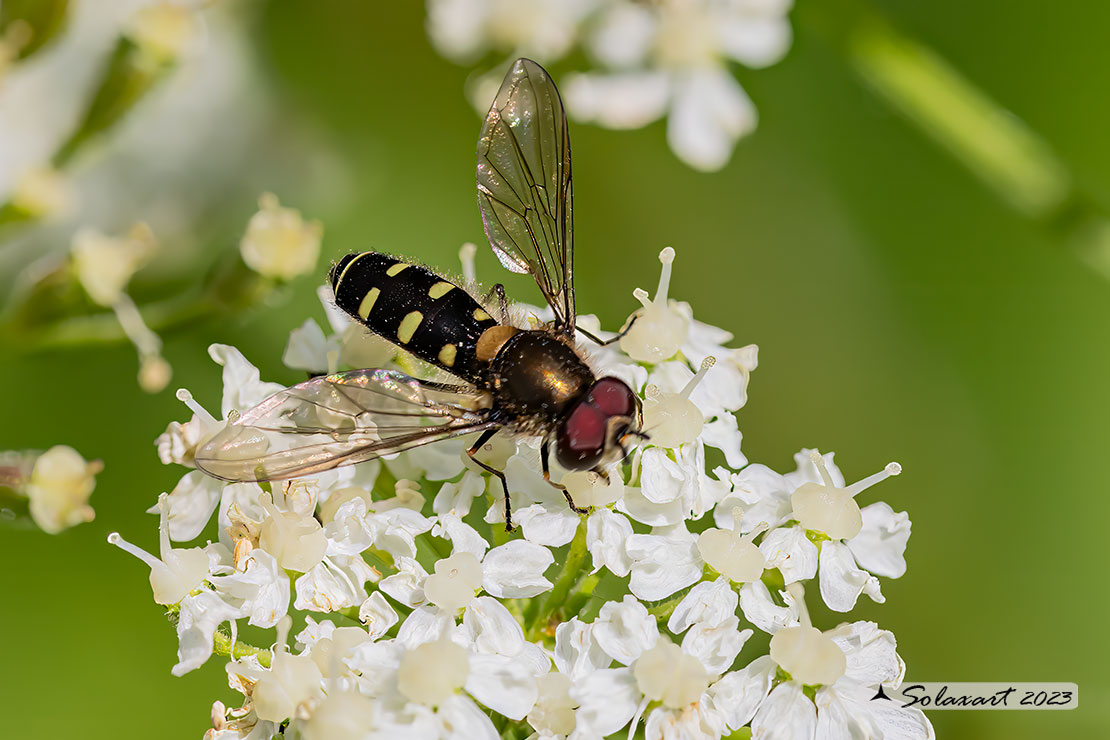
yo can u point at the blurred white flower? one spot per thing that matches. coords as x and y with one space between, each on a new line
44 192
279 243
162 30
105 264
59 487
545 29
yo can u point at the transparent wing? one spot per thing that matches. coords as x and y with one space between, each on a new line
338 420
524 185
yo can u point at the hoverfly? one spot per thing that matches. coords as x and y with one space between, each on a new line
525 381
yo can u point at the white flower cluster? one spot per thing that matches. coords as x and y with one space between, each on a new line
420 617
652 59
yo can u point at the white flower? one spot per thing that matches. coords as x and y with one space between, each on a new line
669 58
59 487
545 29
663 563
279 243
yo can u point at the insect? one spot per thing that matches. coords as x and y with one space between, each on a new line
513 379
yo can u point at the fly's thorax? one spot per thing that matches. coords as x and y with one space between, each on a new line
536 372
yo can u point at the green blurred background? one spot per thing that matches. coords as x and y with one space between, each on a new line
903 312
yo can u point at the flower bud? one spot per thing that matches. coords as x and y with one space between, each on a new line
666 674
279 243
59 487
455 581
432 672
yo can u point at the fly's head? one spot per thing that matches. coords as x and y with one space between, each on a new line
598 428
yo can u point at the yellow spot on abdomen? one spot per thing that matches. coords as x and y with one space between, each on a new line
408 326
367 304
348 267
447 354
481 315
440 289
397 268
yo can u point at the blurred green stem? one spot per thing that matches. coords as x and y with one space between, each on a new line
1017 164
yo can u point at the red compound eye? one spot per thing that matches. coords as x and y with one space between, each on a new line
580 443
613 397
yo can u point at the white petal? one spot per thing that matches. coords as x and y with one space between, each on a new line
466 720
242 386
789 550
737 694
724 434
490 628
709 113
425 624
625 629
710 603
515 570
841 581
191 503
456 498
577 653
308 348
607 700
395 530
262 589
620 101
549 525
760 610
806 471
880 546
623 34
503 684
786 714
663 564
347 532
716 647
313 632
197 621
606 534
661 478
407 585
872 653
835 719
332 584
463 537
885 719
761 494
377 614
757 35
440 461
639 508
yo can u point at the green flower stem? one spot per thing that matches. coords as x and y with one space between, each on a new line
385 485
221 645
662 610
582 592
563 582
380 561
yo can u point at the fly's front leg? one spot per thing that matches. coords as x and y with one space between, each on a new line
560 486
486 437
607 342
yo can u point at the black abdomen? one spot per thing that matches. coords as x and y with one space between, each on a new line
414 308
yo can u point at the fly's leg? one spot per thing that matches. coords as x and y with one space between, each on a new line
607 342
498 290
486 437
560 486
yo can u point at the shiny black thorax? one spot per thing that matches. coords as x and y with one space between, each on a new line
414 308
535 377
